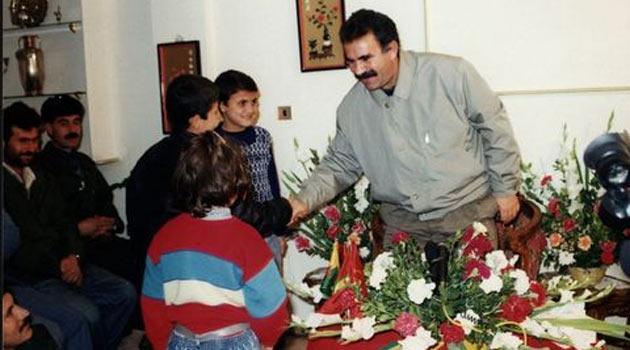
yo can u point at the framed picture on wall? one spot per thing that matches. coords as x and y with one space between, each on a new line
175 59
319 22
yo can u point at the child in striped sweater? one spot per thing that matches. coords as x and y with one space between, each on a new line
210 281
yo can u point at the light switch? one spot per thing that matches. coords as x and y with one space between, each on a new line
284 112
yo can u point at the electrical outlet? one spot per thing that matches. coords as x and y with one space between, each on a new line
284 112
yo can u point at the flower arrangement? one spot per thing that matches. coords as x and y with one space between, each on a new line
569 200
350 213
485 302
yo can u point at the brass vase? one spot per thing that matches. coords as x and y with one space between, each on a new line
28 13
30 64
588 276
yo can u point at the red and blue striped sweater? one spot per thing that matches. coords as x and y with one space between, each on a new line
210 273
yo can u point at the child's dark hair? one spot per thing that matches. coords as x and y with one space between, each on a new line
21 116
232 81
211 171
189 95
61 106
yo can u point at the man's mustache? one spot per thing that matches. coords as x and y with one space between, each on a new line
71 135
365 75
27 154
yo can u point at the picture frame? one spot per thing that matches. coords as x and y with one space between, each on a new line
319 22
175 59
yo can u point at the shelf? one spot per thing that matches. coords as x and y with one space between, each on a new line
71 27
15 97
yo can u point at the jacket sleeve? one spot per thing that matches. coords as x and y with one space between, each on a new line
489 117
157 324
105 197
267 218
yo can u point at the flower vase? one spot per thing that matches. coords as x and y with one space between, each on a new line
30 64
588 276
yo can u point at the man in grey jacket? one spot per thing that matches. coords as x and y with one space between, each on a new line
426 130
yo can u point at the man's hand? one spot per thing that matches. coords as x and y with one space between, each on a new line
71 271
508 207
300 210
96 226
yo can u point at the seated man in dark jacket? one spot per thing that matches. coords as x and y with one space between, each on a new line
192 108
82 185
50 255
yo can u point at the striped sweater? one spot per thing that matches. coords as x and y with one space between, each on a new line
206 274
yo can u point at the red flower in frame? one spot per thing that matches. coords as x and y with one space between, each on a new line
452 333
554 207
608 246
569 225
333 231
332 213
545 180
400 237
302 243
516 309
406 324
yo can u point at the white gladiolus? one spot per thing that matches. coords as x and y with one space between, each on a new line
347 333
364 252
361 204
496 261
479 227
381 264
419 290
566 258
364 326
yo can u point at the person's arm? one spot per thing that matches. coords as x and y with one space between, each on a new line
488 116
267 218
157 326
264 294
337 170
105 198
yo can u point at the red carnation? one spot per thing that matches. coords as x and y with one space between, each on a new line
569 225
406 324
478 246
516 309
607 258
541 293
302 243
482 270
468 234
332 213
400 237
545 180
333 231
554 207
358 227
451 333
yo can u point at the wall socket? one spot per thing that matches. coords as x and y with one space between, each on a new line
284 112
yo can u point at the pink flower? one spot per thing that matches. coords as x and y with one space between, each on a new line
333 231
569 225
585 242
302 243
451 333
476 269
554 207
332 213
400 237
555 239
406 324
545 180
358 227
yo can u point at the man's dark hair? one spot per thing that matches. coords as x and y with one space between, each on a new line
186 96
21 116
61 106
211 171
233 81
365 21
